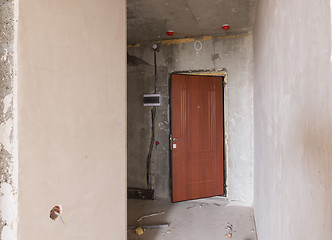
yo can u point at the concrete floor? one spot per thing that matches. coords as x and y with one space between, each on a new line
191 220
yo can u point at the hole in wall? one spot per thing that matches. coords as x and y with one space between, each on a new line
55 212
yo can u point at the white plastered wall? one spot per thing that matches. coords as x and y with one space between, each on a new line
72 119
293 120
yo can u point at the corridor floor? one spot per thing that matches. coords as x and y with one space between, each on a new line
191 220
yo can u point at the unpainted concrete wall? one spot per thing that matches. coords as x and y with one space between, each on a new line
72 119
140 82
233 53
293 120
8 120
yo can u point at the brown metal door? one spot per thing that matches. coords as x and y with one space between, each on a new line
197 137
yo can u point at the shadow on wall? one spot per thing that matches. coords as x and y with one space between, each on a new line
316 150
135 61
306 171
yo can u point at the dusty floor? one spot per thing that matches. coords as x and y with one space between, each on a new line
192 220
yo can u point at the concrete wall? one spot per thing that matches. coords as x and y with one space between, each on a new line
72 119
8 120
234 53
293 120
140 82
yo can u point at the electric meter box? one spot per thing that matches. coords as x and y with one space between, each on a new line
151 100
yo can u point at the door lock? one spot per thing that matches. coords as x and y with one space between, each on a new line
177 139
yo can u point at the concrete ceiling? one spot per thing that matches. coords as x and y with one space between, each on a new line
149 20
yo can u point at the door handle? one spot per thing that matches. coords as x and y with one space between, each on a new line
177 139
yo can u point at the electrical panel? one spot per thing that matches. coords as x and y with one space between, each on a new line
151 100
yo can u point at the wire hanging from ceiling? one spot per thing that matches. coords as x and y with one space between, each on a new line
224 27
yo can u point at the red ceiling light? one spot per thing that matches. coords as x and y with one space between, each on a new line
170 33
225 27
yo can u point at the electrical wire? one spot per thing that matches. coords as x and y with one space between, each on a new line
199 35
152 142
153 116
193 15
162 31
155 71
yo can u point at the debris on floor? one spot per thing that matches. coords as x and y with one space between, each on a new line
190 221
137 193
164 225
139 231
229 229
191 207
150 215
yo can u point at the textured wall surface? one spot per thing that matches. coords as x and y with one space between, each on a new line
235 55
141 81
149 20
8 119
293 120
72 119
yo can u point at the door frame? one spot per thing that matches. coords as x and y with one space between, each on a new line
219 73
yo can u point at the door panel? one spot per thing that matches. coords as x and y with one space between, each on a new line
197 132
